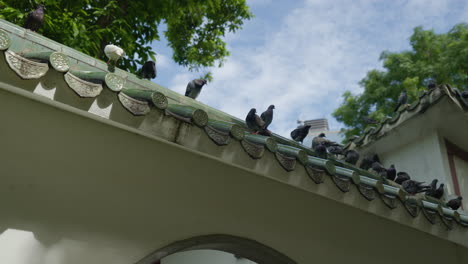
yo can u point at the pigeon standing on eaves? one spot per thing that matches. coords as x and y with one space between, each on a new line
300 133
439 192
402 99
401 177
35 18
321 150
431 85
454 204
194 88
464 94
254 122
432 189
322 139
351 156
113 53
267 116
367 161
335 149
148 70
370 120
391 173
413 187
379 168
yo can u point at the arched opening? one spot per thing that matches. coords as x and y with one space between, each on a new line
240 247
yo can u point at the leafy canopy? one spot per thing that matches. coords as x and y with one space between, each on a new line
439 58
195 28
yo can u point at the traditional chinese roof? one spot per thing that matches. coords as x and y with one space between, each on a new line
166 114
426 100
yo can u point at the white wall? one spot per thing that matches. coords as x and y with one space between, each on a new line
422 159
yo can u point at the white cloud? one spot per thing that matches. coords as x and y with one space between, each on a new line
319 50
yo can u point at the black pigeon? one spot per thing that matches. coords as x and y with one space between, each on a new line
194 88
148 71
402 99
35 19
322 139
370 120
335 149
366 162
431 85
464 94
267 116
401 177
439 192
455 203
413 187
300 133
321 150
432 189
254 122
351 156
391 173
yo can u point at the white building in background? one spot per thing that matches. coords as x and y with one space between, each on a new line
320 126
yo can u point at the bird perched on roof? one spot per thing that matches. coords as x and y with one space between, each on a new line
351 156
254 122
369 120
113 53
402 99
300 133
464 94
439 192
401 177
454 204
367 161
413 187
35 18
321 138
380 169
267 116
433 187
194 88
391 173
431 85
321 150
148 70
335 150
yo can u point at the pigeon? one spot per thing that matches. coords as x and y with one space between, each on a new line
439 192
413 187
401 177
148 71
335 149
194 88
321 150
391 173
321 139
267 116
114 53
300 133
254 122
35 18
432 189
455 203
366 162
464 94
431 85
351 156
402 99
370 120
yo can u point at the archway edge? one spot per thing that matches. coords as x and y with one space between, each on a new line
244 247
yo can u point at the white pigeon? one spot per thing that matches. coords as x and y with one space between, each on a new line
113 52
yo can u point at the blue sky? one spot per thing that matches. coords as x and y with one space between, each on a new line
301 55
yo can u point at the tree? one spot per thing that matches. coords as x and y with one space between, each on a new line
195 28
439 58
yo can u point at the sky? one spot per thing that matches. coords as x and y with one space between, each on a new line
301 55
